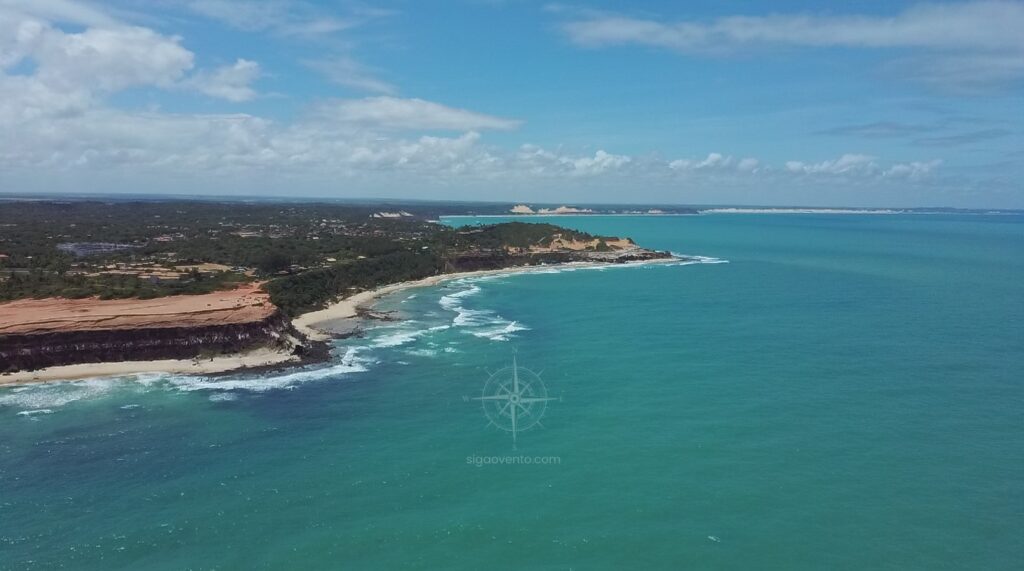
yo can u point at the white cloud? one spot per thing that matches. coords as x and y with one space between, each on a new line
231 82
345 71
712 161
977 44
73 70
216 149
24 99
748 164
303 21
56 116
109 59
95 59
913 170
715 161
283 17
387 112
973 25
427 155
968 73
537 161
65 11
848 163
57 120
599 163
863 166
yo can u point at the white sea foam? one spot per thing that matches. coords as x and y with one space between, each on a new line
149 379
475 318
547 271
691 260
350 363
35 412
501 333
32 399
397 338
223 397
453 301
55 395
483 323
405 336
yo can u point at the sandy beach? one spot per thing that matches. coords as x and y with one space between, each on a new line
220 364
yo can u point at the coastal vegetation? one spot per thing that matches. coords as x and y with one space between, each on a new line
314 288
38 283
307 254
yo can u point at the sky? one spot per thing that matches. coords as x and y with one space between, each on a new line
786 103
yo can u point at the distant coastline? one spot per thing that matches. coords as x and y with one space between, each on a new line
565 215
524 211
730 210
741 210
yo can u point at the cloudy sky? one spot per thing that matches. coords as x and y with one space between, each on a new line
868 103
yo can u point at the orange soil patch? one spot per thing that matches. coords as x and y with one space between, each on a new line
243 305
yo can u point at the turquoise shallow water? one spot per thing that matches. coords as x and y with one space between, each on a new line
845 393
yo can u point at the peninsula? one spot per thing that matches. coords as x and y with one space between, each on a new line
90 288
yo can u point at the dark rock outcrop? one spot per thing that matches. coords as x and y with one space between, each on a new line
28 352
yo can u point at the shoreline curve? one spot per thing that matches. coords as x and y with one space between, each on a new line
313 324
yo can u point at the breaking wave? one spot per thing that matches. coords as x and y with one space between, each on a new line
350 363
404 336
31 413
33 399
422 352
691 260
482 323
501 333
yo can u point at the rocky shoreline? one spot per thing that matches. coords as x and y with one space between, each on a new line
270 342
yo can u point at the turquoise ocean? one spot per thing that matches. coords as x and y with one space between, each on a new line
824 392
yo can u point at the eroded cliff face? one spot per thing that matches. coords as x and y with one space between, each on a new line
32 351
